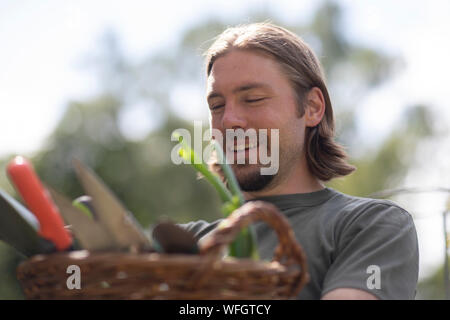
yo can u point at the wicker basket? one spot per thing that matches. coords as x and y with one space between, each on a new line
176 276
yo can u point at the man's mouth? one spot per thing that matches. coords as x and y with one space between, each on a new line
244 147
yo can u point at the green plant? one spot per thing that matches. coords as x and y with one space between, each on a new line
244 246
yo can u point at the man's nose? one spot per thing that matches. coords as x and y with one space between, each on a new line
234 117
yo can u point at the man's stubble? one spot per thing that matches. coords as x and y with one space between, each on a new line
250 178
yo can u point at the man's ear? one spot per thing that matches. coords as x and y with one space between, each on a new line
315 107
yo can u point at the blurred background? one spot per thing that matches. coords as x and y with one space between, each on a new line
108 81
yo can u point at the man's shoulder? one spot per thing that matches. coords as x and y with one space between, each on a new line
356 203
373 232
352 208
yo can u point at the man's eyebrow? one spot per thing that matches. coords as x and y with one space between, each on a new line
213 95
249 86
245 87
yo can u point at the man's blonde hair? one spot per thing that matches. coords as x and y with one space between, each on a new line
326 159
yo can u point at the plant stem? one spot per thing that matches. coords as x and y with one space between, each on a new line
229 175
188 154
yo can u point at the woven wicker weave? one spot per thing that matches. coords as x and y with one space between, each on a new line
162 276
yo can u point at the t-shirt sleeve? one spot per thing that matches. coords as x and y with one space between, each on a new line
377 252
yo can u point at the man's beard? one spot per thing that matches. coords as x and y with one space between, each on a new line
251 180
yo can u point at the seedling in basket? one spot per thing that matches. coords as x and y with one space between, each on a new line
244 246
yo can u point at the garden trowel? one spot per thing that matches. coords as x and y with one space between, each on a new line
170 238
110 213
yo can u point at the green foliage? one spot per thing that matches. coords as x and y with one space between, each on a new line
140 173
10 259
432 287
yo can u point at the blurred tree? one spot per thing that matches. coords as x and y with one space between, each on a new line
386 166
140 171
432 287
9 260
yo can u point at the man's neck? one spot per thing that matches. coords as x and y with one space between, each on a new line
300 180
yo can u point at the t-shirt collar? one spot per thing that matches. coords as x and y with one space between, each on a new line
287 201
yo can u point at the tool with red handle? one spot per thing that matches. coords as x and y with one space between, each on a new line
37 199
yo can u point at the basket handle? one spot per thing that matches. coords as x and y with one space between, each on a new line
288 252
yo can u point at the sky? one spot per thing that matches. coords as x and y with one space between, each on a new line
43 45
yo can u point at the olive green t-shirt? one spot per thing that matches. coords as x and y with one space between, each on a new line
350 242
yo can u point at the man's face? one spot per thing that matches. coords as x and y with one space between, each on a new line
247 90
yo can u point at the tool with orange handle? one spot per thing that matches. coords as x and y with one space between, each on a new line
38 201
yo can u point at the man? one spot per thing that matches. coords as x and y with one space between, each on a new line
261 76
